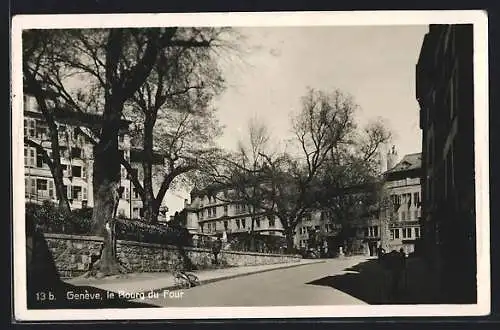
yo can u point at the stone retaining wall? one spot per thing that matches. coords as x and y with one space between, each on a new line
72 255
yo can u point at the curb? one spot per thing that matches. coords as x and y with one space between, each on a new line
227 277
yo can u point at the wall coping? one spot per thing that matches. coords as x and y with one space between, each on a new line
74 237
165 246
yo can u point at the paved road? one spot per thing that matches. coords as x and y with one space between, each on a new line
274 288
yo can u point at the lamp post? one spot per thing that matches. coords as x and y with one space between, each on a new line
130 195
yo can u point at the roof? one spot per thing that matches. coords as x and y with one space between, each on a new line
408 163
74 118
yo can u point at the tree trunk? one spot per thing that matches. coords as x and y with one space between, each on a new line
252 234
55 163
106 182
57 174
147 166
289 233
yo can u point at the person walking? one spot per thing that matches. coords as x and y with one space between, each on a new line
217 246
398 268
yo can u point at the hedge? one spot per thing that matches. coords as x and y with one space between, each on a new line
50 219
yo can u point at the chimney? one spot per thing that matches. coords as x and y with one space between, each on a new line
391 158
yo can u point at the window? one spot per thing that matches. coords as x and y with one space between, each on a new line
76 171
396 233
225 225
135 213
51 189
214 211
77 193
39 159
375 231
406 232
367 232
30 157
416 199
63 151
243 223
257 222
209 212
62 131
84 172
392 233
209 227
417 232
29 127
76 152
41 184
121 190
238 223
214 225
136 193
271 221
84 193
225 209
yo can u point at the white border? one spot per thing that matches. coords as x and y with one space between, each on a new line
478 18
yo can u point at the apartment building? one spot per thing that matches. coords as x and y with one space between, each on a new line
402 186
76 158
211 211
445 93
317 224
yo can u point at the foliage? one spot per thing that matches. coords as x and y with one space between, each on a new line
50 219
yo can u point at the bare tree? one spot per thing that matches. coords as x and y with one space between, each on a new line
243 175
114 63
172 108
37 50
350 182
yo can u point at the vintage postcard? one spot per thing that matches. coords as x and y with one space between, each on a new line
250 165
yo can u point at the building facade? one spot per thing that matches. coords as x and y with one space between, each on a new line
445 93
76 159
317 224
402 187
212 212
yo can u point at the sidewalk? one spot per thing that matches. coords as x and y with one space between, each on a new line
146 282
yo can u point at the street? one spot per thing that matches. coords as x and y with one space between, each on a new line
301 285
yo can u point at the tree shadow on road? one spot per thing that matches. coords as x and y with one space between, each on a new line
370 282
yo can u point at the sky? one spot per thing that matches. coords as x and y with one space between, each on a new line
375 64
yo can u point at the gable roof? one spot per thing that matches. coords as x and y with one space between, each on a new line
408 163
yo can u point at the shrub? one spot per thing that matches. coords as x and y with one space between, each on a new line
50 219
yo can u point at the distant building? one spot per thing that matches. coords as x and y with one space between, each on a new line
445 92
316 223
76 158
402 187
211 211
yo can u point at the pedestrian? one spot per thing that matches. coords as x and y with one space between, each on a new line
217 246
402 261
398 267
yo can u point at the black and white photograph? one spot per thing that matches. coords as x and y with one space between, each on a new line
250 165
